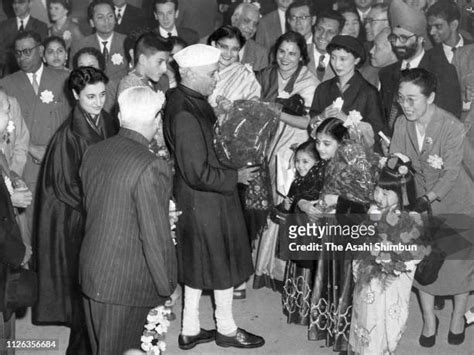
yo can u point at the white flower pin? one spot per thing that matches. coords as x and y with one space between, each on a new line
10 127
429 140
46 96
117 59
353 119
67 35
435 162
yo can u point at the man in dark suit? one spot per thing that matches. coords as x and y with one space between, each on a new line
128 17
42 98
245 18
110 43
127 262
166 12
407 39
10 28
273 25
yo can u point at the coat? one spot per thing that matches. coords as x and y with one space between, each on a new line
255 55
8 33
116 67
127 255
213 246
448 95
59 216
132 19
268 30
360 96
312 65
42 116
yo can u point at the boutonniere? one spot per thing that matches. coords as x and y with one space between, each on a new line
338 103
47 96
429 140
117 59
67 35
435 162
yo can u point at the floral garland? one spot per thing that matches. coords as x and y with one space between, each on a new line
393 228
153 337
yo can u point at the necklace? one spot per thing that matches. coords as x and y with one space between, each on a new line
283 78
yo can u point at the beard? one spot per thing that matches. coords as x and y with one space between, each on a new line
405 52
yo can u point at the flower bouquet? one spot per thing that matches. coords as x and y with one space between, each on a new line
153 337
244 132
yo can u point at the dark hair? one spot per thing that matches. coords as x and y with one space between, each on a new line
444 9
131 40
94 3
149 43
35 36
90 51
423 78
156 2
334 128
403 184
52 39
81 77
294 37
300 3
65 3
332 15
353 10
226 32
308 147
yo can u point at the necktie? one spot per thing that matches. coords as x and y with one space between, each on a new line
35 84
407 67
169 34
119 15
105 51
22 27
321 68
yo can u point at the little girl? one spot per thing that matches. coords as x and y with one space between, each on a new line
380 305
307 185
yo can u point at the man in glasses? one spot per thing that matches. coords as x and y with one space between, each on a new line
408 39
10 28
300 17
42 98
376 21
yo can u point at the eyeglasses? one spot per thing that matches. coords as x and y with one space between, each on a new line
392 38
370 20
299 18
409 100
27 51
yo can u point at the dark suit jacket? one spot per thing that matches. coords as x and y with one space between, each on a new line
127 255
190 36
448 95
132 19
255 55
42 114
116 66
8 33
269 29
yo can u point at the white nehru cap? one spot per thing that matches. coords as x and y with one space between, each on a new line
197 55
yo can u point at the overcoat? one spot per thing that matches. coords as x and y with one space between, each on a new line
59 216
213 247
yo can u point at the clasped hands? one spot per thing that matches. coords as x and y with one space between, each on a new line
314 209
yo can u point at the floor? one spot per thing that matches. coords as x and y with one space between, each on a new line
260 313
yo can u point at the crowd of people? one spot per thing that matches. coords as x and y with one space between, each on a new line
114 195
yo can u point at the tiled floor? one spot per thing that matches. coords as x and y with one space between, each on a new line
260 313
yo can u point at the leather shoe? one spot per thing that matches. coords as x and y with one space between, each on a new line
430 341
456 339
186 342
242 339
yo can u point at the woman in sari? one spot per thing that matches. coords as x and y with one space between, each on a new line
281 82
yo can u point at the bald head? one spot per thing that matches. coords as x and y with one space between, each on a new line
381 53
245 18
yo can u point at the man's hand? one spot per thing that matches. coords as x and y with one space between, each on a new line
245 175
21 198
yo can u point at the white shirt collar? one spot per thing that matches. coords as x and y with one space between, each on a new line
164 33
414 62
363 14
310 40
281 15
317 54
38 73
448 50
122 10
241 53
109 42
25 21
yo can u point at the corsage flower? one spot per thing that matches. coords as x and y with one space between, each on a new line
117 59
10 127
338 103
47 96
435 161
67 35
429 141
353 119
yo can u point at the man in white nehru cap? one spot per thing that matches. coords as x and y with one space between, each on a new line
213 249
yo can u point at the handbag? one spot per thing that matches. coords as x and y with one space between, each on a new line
21 288
293 105
427 270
